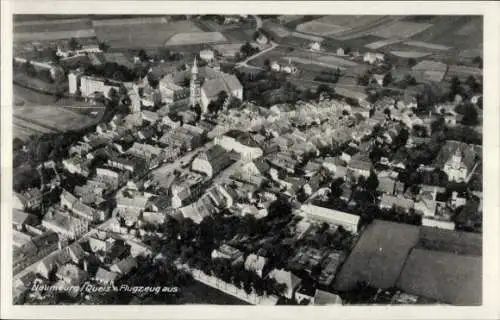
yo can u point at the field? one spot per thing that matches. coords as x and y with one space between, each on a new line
145 35
307 37
191 38
52 25
381 43
129 21
55 35
443 276
276 29
427 45
462 32
410 54
465 243
379 255
400 29
320 28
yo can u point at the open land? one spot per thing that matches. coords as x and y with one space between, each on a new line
145 35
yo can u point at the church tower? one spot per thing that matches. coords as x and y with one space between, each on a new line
194 86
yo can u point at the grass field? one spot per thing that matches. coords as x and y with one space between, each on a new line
427 45
410 54
379 255
443 276
320 28
401 29
146 35
52 25
190 38
54 35
381 43
463 32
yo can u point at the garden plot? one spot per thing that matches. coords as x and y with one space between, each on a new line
401 29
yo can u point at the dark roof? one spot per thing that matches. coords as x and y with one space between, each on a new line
218 157
243 137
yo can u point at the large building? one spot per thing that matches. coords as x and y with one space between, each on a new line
205 87
348 221
459 160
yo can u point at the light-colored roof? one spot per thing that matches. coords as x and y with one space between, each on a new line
323 298
286 277
105 275
330 214
255 262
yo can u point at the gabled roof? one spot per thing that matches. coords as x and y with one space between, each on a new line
124 266
286 277
105 275
323 298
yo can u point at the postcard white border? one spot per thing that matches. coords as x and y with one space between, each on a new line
490 10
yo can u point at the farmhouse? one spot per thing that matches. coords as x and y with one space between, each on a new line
212 161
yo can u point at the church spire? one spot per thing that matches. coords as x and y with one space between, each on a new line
194 69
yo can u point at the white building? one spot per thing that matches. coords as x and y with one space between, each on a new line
443 224
231 144
207 55
89 86
348 221
315 46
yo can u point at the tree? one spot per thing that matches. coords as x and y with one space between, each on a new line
103 46
324 88
470 115
143 56
267 64
363 79
387 111
479 61
73 44
401 138
412 62
455 87
387 79
372 181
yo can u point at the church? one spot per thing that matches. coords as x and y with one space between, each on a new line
206 83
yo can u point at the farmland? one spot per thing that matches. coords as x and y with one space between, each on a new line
56 35
455 31
400 29
52 25
146 35
410 54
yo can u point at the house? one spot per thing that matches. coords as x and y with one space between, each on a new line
348 153
340 52
21 218
29 199
262 39
71 274
287 278
75 252
438 223
304 294
225 251
425 206
240 142
387 181
65 225
255 264
112 177
359 167
372 57
187 137
212 161
322 297
318 214
315 46
336 165
459 160
275 66
207 55
104 276
124 266
390 201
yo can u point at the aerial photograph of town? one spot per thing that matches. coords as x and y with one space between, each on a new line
247 160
